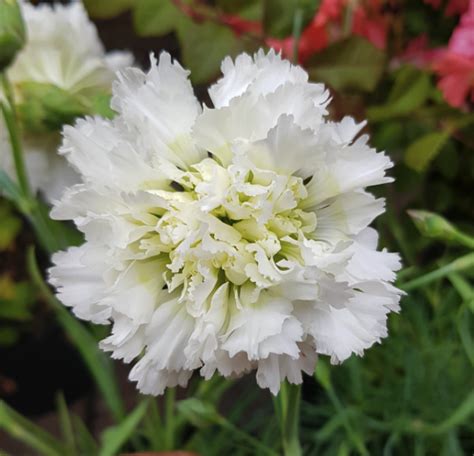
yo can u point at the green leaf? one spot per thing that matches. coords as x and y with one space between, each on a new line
105 9
8 336
421 152
16 299
9 227
411 90
155 17
97 362
203 47
278 15
246 9
85 441
11 190
113 438
66 424
353 63
32 435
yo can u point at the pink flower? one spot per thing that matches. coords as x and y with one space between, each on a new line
419 54
456 65
456 78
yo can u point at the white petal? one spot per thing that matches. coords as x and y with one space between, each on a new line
96 148
346 168
249 119
78 275
273 370
252 330
161 106
367 263
288 149
348 214
259 75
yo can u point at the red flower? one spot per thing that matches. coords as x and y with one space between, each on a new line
370 22
315 36
240 26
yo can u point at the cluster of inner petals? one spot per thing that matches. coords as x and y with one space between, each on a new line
227 224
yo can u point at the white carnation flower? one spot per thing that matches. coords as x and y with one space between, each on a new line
62 49
230 238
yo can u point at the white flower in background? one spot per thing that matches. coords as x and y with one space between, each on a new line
62 49
229 238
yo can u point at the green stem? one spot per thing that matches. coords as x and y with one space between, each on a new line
288 409
297 25
28 206
14 133
170 397
459 264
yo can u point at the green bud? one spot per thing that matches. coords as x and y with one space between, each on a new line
12 31
46 107
434 226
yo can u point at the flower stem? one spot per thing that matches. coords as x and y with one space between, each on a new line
459 264
170 398
297 25
13 131
287 405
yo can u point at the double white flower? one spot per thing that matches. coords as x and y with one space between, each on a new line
229 238
62 49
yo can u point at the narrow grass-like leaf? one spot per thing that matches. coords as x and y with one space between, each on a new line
66 424
98 364
115 437
29 433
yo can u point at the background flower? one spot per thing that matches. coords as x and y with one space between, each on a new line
62 72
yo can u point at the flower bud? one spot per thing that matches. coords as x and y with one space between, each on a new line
12 31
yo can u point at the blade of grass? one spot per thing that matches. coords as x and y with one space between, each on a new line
115 437
66 424
85 442
97 363
29 433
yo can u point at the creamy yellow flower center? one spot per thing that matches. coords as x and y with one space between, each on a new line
232 224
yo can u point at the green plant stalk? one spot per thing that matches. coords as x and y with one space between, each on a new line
170 400
297 25
94 359
13 131
288 409
29 206
459 264
262 449
354 436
